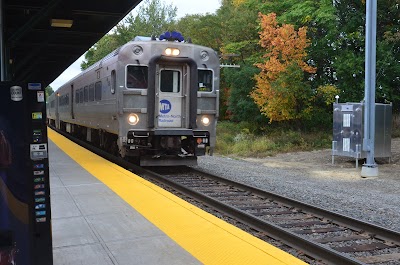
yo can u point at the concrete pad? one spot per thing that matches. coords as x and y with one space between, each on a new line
122 225
140 252
62 204
55 182
90 189
93 204
87 254
71 232
77 178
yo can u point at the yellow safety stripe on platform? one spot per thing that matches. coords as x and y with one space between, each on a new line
206 237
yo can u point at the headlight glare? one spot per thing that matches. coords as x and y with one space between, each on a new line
175 52
172 51
133 119
205 120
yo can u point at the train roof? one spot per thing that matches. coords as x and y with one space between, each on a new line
172 38
142 38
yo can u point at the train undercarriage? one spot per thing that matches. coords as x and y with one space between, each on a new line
146 148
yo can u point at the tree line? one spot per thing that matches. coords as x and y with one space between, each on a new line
294 56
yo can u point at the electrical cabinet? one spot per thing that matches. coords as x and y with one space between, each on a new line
348 130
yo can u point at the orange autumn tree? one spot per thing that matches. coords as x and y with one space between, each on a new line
281 91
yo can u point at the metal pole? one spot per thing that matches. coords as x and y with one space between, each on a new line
370 168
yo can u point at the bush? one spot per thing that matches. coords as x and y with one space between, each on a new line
242 139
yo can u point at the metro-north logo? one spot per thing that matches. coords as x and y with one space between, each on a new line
165 106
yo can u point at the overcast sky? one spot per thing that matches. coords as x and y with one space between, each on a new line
184 7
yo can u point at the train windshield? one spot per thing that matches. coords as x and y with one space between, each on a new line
205 80
136 76
170 81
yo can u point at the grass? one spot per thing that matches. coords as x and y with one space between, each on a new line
240 140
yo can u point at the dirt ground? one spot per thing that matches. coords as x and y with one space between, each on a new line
320 163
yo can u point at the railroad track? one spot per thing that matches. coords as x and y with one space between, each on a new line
326 237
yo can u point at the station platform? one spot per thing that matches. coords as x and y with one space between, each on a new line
104 214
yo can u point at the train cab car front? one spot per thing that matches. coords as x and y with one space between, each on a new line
169 100
167 147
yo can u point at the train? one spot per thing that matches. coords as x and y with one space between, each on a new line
154 101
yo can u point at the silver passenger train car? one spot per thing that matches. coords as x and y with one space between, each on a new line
154 101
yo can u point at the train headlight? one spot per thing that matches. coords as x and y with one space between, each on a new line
204 55
172 51
133 119
205 120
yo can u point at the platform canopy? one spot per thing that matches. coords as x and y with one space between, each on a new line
42 38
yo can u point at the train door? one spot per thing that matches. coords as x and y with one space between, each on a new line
72 101
57 114
171 87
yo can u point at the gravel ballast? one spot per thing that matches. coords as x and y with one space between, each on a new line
310 177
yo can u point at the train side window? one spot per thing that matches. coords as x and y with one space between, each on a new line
205 78
77 96
113 81
63 100
136 76
97 93
91 92
81 95
85 94
170 81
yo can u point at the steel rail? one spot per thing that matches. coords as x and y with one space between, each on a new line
316 250
358 225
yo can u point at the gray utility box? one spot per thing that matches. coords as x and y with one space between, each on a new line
348 130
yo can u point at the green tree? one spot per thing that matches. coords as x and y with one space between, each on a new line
240 105
388 53
238 38
152 18
349 46
103 47
349 61
202 30
337 30
48 91
388 70
239 28
241 38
